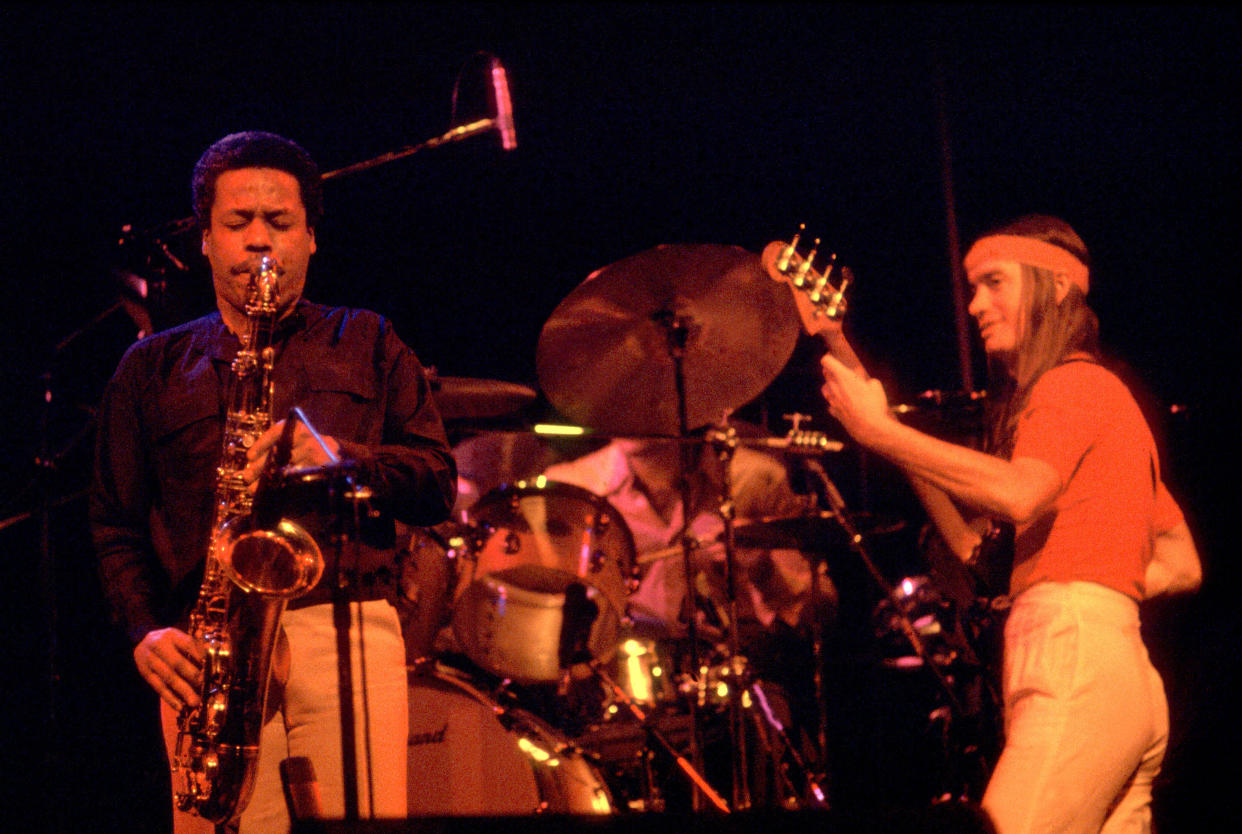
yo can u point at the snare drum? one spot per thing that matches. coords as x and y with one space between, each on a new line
548 581
469 756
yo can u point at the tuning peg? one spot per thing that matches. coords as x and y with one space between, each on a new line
821 280
782 263
835 308
805 267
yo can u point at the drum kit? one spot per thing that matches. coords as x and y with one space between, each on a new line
532 689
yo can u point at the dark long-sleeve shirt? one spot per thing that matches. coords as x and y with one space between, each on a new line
160 439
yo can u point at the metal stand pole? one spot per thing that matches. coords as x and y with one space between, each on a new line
724 442
693 772
677 331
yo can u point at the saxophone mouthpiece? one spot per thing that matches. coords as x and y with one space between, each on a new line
265 272
263 265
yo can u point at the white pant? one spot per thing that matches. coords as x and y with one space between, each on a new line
1086 721
308 721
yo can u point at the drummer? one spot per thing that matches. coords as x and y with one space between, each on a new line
640 479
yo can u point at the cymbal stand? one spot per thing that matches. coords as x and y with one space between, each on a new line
677 332
818 568
693 772
723 440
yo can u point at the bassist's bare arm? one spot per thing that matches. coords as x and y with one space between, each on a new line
961 537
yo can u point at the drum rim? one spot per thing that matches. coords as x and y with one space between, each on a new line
522 489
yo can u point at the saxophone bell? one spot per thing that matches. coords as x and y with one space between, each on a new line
280 561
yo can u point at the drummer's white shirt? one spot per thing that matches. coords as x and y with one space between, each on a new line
761 489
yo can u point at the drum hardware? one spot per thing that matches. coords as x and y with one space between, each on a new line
946 403
953 414
504 573
632 353
814 531
930 614
678 328
797 784
723 441
643 674
696 777
428 569
545 583
662 342
765 718
969 729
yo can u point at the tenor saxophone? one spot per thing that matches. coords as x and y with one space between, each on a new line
249 576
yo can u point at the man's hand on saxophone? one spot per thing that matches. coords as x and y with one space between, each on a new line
169 659
171 662
305 450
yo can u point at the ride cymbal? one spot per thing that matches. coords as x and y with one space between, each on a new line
606 357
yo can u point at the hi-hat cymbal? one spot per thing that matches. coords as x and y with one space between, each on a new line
463 398
605 358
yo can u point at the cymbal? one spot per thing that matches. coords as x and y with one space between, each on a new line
810 531
464 398
605 357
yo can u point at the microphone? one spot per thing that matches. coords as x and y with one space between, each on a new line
504 106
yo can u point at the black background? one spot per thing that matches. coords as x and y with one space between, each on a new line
638 125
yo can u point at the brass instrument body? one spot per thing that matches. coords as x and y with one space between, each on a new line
249 575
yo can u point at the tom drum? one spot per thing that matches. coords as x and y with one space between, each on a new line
547 584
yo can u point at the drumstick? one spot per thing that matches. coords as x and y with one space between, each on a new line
673 550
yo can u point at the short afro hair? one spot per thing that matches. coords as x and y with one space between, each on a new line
256 149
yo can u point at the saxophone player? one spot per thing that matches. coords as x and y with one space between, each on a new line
161 426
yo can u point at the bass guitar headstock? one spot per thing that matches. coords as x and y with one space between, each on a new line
819 295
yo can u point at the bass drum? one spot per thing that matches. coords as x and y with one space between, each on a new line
469 756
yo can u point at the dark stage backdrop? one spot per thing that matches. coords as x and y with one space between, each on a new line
638 125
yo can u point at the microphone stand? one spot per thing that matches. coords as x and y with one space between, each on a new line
341 580
159 234
842 516
454 135
47 462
